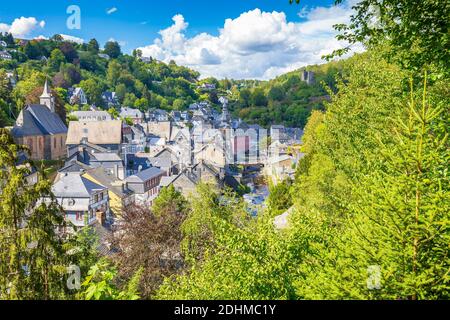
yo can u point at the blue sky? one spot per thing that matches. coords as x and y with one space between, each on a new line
196 32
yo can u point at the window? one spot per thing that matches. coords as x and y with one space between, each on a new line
79 216
101 196
54 142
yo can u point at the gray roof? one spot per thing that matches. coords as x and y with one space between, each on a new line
160 162
110 181
167 181
129 112
73 167
39 120
145 175
106 157
76 186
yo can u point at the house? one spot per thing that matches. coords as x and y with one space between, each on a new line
279 133
110 99
208 86
163 163
83 201
145 185
158 115
86 116
31 176
41 129
77 96
106 134
12 78
212 150
5 55
206 173
92 158
280 167
187 180
176 116
182 182
120 196
157 128
104 56
135 164
146 59
134 114
185 115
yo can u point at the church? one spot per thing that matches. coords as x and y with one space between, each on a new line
41 129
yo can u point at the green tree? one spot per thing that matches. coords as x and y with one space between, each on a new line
112 49
114 72
32 263
417 31
93 46
93 91
55 60
179 104
169 199
258 98
100 284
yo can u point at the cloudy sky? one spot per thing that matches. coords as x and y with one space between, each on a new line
224 38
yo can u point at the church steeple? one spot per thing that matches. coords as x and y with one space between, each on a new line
46 98
225 117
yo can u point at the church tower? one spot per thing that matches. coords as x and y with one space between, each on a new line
225 117
46 98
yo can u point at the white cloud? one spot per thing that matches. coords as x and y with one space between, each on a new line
22 26
121 43
72 38
41 37
256 44
112 10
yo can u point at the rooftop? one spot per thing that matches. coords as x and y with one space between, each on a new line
145 175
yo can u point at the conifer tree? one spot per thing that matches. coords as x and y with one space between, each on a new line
32 260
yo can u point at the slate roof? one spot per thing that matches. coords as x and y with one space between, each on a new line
106 157
73 167
130 112
39 120
76 186
145 175
160 162
110 181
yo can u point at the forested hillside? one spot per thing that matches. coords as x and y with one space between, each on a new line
372 192
286 99
138 84
150 84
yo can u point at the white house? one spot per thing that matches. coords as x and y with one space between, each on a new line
88 116
77 96
5 55
83 201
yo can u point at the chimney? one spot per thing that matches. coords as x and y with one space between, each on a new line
101 217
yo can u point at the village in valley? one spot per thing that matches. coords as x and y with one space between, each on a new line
103 164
